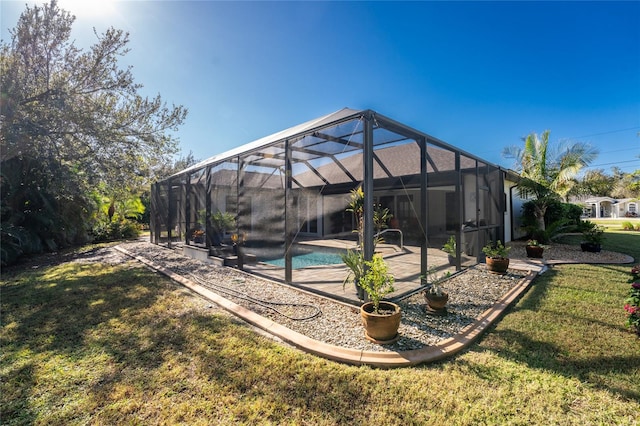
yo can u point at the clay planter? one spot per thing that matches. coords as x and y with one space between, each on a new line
591 247
534 251
436 304
497 265
381 328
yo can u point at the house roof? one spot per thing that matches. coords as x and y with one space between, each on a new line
601 199
593 200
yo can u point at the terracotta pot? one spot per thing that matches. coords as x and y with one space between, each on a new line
497 265
534 251
436 303
381 328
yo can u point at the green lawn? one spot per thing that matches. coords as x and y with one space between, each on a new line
615 224
98 344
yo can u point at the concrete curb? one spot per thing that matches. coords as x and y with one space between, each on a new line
441 350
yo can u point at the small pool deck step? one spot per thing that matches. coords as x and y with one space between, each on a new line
233 260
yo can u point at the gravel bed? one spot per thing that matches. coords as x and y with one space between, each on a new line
567 253
470 293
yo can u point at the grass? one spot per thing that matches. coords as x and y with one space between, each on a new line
615 224
99 344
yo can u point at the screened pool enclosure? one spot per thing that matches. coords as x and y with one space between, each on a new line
278 206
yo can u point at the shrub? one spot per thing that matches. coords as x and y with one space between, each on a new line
496 250
117 229
585 226
450 246
556 210
377 281
594 234
632 303
42 209
552 231
559 217
627 226
572 212
16 241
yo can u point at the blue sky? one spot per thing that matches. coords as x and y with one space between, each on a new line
478 75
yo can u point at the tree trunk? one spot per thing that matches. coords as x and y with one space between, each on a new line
112 210
539 211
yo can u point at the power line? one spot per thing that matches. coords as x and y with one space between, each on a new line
615 162
607 133
625 168
620 150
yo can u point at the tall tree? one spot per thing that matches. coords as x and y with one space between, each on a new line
628 185
595 183
74 119
173 166
547 171
162 171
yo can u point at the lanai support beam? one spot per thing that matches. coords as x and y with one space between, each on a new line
460 211
169 215
187 209
208 207
424 207
288 220
367 185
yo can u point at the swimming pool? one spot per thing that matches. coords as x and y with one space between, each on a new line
304 260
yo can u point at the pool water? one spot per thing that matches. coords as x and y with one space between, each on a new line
308 259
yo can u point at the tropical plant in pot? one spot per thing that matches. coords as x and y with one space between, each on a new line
381 319
497 256
354 259
534 249
355 262
434 295
593 236
198 233
221 222
450 248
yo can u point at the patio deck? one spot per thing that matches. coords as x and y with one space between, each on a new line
327 280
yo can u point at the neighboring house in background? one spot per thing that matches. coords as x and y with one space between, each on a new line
598 207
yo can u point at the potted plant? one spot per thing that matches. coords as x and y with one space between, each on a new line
497 257
593 236
198 236
434 295
450 248
221 222
381 319
355 262
354 259
534 249
237 240
198 232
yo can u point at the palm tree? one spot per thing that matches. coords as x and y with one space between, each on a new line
547 173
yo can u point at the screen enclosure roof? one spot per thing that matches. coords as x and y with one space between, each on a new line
328 150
